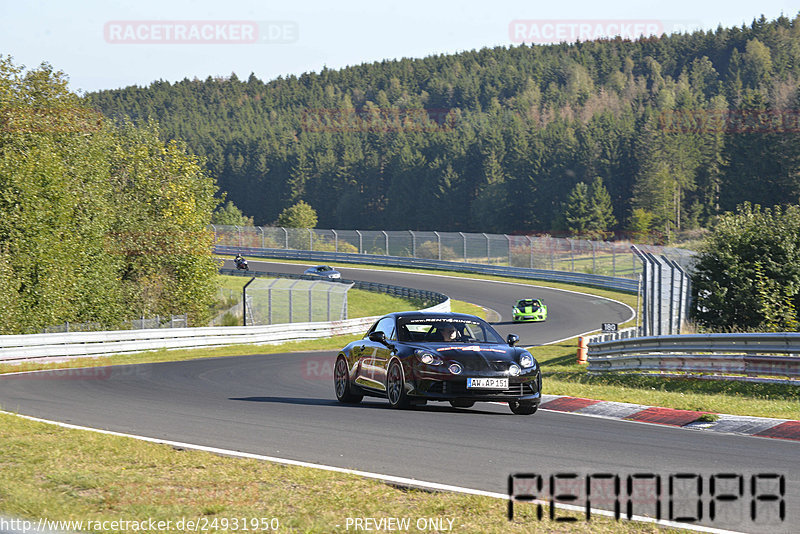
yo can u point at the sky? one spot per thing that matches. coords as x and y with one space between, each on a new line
111 44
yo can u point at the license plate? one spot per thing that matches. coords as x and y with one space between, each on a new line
487 383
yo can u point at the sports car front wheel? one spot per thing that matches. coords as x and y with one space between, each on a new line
523 407
396 387
341 381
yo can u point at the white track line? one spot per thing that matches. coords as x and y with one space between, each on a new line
402 481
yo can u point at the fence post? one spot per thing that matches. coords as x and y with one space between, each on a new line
310 291
413 244
386 236
488 250
360 243
310 239
215 233
439 242
614 260
286 237
244 301
594 257
335 241
571 254
464 240
508 240
530 242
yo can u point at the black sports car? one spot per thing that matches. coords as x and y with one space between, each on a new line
415 357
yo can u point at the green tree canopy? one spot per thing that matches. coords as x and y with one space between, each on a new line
299 215
229 214
748 273
98 222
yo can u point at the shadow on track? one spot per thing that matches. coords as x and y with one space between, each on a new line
432 408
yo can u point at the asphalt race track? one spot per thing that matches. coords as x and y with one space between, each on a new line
283 405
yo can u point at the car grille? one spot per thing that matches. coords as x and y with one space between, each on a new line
459 387
481 365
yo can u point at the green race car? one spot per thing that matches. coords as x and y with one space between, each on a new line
530 310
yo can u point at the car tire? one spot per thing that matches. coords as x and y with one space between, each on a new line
341 383
460 403
523 407
396 386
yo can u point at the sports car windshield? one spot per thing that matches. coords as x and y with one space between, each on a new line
447 330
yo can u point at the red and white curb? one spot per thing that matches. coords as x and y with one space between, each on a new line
763 427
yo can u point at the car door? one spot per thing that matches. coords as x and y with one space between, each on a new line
373 355
383 355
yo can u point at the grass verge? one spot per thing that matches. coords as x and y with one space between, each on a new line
111 478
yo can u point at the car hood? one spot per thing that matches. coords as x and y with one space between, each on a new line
476 356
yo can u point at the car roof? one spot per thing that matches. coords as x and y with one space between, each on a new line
424 314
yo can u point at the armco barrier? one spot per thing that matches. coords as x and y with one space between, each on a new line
606 282
748 355
58 346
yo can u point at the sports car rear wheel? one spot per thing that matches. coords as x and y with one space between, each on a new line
396 387
523 407
341 381
459 403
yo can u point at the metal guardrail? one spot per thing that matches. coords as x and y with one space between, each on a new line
63 346
625 333
747 355
606 282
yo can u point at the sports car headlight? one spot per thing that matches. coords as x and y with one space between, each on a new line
514 369
427 358
455 368
526 360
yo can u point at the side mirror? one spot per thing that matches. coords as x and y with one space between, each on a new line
377 337
512 339
380 337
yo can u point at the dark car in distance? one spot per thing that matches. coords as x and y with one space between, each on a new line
410 358
323 271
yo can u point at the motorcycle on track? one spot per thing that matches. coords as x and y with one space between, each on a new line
241 263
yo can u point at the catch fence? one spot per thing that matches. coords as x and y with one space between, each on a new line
606 258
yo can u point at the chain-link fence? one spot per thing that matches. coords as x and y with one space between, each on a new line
286 300
536 252
143 323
